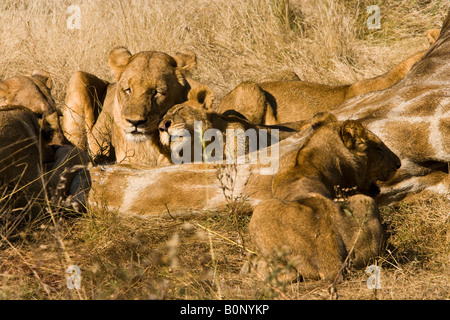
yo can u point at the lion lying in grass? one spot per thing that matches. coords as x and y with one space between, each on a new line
184 127
31 171
24 154
303 219
34 93
276 102
29 161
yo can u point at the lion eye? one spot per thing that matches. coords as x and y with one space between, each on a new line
127 91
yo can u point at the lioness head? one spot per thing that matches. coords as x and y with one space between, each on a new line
338 154
34 93
148 84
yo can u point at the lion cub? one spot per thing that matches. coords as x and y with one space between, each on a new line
280 101
190 127
24 154
320 235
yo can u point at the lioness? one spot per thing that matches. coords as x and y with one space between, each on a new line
126 129
302 219
34 93
276 102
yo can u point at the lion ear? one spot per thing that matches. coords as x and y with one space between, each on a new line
201 95
44 77
186 61
118 60
432 35
352 133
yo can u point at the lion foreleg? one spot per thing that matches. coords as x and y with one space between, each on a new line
84 99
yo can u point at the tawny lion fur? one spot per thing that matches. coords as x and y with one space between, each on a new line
34 92
303 220
119 121
275 102
24 153
179 121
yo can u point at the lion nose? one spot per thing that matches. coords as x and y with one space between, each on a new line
136 123
164 125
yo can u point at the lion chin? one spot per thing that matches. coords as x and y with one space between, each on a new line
137 136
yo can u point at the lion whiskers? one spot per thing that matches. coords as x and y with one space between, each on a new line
138 137
140 134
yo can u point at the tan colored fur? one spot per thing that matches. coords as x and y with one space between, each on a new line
148 84
283 75
432 35
34 93
182 117
143 189
421 96
31 171
276 102
303 220
413 118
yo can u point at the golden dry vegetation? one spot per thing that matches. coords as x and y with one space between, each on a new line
120 257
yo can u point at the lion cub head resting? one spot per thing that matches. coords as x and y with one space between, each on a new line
180 119
148 84
337 154
34 93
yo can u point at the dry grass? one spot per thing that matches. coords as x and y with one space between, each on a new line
135 258
201 258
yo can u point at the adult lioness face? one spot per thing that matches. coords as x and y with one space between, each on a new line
148 84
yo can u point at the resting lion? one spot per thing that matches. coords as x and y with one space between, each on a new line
302 218
275 102
119 121
34 93
177 129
